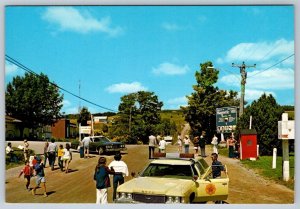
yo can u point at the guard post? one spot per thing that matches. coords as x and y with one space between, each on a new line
286 131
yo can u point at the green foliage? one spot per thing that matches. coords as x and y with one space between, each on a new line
202 103
84 116
138 116
265 114
33 100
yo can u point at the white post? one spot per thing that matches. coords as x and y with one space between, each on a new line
274 158
285 159
79 131
257 150
250 126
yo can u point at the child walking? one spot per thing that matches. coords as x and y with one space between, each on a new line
60 153
27 171
40 176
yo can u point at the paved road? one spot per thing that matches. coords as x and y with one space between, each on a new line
78 186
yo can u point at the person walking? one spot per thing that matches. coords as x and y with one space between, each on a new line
27 171
67 157
46 153
186 142
162 145
60 153
214 142
26 150
196 144
52 149
101 176
179 143
40 176
120 169
152 145
202 144
86 146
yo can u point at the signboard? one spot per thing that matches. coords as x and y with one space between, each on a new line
286 129
85 130
226 119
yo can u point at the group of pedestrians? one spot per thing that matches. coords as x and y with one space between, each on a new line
156 142
117 168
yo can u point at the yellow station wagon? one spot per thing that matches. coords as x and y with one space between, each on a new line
173 179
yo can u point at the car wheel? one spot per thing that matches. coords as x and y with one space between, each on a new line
100 150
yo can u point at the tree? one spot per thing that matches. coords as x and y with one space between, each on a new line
138 116
84 116
202 103
33 100
265 114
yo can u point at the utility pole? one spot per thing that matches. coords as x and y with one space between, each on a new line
243 83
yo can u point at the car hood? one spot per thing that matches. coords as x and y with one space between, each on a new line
157 186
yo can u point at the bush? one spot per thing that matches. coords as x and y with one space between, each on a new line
19 156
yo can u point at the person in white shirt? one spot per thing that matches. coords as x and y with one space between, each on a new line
86 144
152 144
162 145
214 142
120 169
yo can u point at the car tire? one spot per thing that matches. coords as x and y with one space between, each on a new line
100 150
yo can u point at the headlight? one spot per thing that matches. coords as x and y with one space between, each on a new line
172 199
124 195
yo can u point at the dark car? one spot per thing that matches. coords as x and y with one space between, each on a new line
101 144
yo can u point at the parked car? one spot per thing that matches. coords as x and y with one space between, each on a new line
101 144
173 179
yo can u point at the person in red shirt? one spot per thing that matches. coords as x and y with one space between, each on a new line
27 171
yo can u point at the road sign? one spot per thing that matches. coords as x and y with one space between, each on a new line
226 119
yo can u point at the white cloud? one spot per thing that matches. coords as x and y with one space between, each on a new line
170 69
70 19
11 69
126 87
175 103
70 110
273 79
66 103
253 94
258 52
171 26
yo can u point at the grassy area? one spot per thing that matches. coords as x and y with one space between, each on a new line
174 115
263 166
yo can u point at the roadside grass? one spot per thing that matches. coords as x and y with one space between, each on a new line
263 166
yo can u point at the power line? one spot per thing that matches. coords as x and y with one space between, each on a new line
15 62
272 66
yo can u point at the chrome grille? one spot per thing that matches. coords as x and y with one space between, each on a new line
149 198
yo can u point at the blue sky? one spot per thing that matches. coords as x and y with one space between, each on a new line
115 50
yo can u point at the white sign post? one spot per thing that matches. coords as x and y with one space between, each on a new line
286 131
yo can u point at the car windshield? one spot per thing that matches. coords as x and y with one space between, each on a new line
101 139
168 171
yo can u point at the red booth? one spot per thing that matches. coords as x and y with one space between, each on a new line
248 144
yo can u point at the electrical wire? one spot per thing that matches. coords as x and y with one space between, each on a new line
271 66
15 62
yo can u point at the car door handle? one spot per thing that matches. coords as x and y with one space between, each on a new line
224 184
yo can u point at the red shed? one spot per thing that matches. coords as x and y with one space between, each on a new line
248 144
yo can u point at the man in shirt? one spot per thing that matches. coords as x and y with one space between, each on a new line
120 169
217 166
86 146
52 149
152 144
